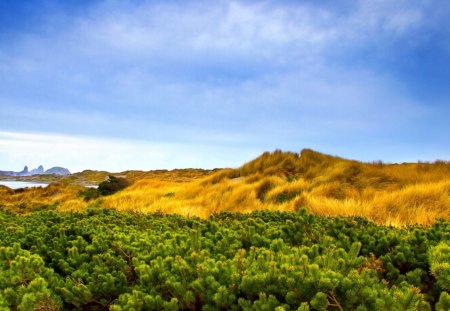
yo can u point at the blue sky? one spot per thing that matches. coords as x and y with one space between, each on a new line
121 85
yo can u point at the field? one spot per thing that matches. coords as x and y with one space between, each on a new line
285 231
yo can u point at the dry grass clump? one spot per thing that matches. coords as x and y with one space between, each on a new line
27 199
416 203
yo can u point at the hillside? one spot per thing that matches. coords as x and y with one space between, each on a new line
93 177
393 194
390 194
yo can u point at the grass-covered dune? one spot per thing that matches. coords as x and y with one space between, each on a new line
390 194
396 194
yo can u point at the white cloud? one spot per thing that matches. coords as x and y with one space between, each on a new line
79 153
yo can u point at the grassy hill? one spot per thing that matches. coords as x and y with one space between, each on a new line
92 177
390 194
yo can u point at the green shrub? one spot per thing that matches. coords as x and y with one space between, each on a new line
89 194
286 196
112 185
439 259
103 259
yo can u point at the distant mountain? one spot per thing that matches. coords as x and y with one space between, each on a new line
57 171
37 171
24 172
7 173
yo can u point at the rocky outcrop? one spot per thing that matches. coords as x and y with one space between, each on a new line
37 171
57 171
7 173
24 172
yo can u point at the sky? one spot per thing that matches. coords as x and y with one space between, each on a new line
148 84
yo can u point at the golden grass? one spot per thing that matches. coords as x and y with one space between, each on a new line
389 194
54 195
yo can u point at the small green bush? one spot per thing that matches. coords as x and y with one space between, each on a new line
112 185
89 194
286 196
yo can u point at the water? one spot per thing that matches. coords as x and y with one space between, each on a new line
22 184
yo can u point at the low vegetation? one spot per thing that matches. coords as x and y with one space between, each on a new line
104 259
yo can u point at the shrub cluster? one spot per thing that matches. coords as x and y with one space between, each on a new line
107 187
261 261
112 185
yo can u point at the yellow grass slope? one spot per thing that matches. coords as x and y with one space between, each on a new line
391 194
396 194
64 197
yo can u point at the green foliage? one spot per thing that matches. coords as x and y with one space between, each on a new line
104 259
107 187
24 280
169 195
319 301
444 302
89 194
37 296
286 196
292 178
112 185
439 258
303 307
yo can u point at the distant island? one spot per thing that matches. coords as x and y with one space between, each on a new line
56 170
